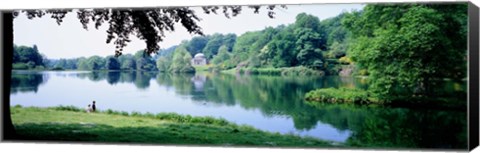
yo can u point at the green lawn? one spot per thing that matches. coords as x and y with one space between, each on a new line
32 123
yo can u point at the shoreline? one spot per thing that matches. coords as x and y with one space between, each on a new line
362 97
67 123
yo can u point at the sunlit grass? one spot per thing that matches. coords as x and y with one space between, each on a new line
68 123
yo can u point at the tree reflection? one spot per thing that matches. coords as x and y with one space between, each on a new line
113 77
27 82
128 77
142 79
97 76
276 95
370 126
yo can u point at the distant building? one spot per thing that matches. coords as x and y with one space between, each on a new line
199 59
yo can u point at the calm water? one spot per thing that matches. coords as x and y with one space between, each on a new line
270 103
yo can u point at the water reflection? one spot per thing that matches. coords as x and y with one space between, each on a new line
113 77
370 126
27 82
282 97
398 127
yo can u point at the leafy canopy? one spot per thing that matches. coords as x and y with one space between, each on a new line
409 49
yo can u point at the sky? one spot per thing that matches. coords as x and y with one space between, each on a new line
70 40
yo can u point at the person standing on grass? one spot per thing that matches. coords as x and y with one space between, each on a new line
94 108
88 109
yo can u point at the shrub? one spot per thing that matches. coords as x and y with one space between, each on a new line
299 71
134 113
20 66
345 60
363 72
57 69
124 113
68 108
341 95
39 67
109 111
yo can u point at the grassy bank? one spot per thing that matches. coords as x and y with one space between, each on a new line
362 97
72 124
341 95
299 71
201 68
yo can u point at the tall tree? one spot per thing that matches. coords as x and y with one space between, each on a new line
95 63
196 44
211 48
144 61
163 64
410 48
222 55
181 61
112 63
308 46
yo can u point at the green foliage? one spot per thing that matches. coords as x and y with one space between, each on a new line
307 21
20 66
337 50
345 60
181 61
163 128
201 68
216 41
68 108
163 64
410 46
82 64
57 69
143 61
64 63
112 63
243 48
95 63
336 32
222 55
297 44
286 71
280 52
129 64
308 46
26 57
342 95
196 44
139 61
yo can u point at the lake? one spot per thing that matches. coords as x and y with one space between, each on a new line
269 103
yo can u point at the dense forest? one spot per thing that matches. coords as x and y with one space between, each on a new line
307 42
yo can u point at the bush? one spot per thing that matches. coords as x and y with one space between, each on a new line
20 66
345 60
134 113
298 71
124 113
68 108
341 95
363 72
109 111
57 69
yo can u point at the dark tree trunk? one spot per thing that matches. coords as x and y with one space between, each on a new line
7 31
